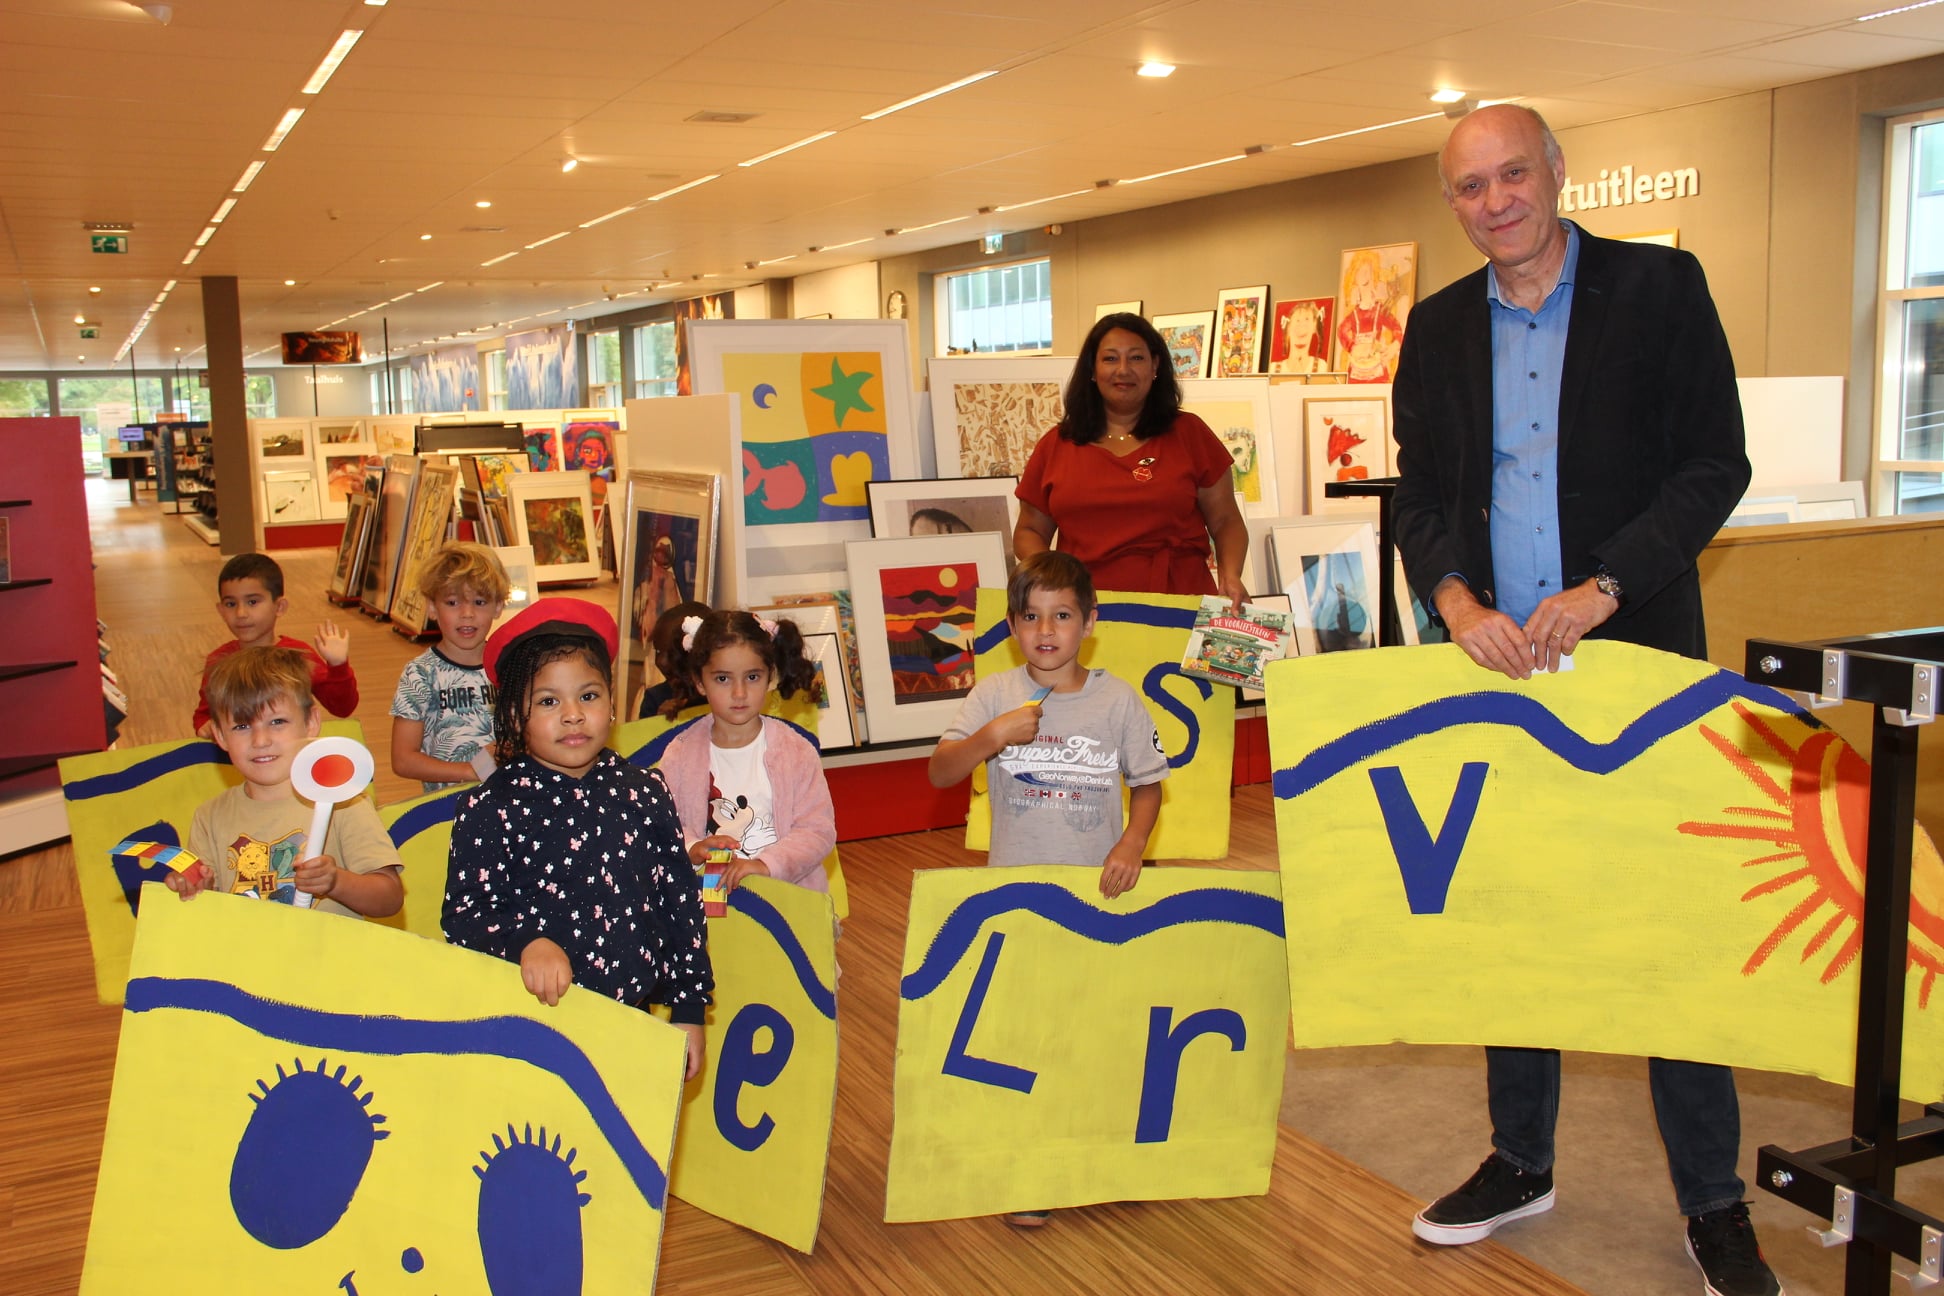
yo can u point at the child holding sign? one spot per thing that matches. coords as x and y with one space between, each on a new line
252 838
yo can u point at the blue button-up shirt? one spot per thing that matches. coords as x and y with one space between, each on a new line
1528 358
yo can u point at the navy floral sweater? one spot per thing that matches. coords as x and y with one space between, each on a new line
594 864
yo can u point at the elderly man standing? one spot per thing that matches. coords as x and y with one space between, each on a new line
1571 437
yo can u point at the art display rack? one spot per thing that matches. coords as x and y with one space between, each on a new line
1853 1182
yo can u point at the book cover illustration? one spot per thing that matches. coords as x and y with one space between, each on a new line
1231 649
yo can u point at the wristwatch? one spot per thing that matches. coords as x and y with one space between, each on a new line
1608 584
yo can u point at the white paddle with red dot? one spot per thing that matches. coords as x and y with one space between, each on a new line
327 771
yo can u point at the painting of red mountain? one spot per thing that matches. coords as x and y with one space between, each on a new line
928 625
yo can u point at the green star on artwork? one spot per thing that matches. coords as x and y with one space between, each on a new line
845 392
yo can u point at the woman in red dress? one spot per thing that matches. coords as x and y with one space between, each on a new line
1129 483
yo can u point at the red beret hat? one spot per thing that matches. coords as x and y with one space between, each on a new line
561 616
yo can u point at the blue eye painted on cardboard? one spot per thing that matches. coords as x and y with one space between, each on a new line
302 1155
529 1215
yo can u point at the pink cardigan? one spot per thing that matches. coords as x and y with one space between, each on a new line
806 823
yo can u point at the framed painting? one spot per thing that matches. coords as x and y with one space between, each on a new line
1345 438
668 557
989 412
916 599
428 525
835 711
542 447
289 496
340 432
389 516
522 587
815 612
1299 335
1377 287
342 470
1238 329
1105 309
351 546
1237 410
494 469
588 441
951 507
1189 337
394 434
277 441
554 514
1329 571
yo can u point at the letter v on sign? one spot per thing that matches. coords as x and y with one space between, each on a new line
1426 862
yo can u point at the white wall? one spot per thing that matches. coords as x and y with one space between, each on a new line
848 292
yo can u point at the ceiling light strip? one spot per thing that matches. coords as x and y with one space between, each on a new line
787 148
1006 207
683 188
249 174
1161 175
284 127
504 256
1365 130
223 211
549 239
959 84
913 229
618 211
339 49
1921 4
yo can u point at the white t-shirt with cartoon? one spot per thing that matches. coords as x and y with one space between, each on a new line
1057 799
741 804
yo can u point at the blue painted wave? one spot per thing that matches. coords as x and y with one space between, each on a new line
430 815
519 1039
185 756
1520 711
766 916
1058 905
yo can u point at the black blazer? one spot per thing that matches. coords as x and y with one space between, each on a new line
1651 459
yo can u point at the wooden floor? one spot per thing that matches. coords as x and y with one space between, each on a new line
1326 1226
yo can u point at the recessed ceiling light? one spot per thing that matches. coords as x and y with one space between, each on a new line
178 348
424 237
1446 96
80 319
290 283
94 288
569 165
484 202
1153 69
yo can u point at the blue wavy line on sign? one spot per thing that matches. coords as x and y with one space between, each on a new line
1060 906
422 818
766 916
1144 614
517 1039
1519 711
185 756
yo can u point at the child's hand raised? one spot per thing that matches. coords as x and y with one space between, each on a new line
333 644
545 971
1017 726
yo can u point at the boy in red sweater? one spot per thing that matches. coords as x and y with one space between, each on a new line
250 598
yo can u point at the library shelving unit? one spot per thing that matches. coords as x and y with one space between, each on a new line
50 676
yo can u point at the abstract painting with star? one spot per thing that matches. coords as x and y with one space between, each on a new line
814 431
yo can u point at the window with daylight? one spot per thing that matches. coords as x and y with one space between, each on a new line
604 369
995 310
1910 328
495 378
654 359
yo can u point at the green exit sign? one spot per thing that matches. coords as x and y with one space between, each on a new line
117 243
89 331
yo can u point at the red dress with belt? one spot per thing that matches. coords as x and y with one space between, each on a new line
1132 519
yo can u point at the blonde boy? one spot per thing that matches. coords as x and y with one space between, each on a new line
250 598
1058 740
442 713
250 839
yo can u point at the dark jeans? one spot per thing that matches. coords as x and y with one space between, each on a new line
1694 1103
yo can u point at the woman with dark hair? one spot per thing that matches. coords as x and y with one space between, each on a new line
1131 484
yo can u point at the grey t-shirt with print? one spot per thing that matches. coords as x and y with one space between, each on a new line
1057 799
453 702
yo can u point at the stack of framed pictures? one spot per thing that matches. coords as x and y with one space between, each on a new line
668 557
429 525
286 476
346 572
554 513
1329 571
838 722
390 515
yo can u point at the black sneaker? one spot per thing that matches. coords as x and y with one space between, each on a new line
1499 1193
1723 1244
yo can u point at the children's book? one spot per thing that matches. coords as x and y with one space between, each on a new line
1231 649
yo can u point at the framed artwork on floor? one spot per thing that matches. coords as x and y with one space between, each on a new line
588 442
950 507
542 447
668 557
834 710
1238 328
554 513
494 469
522 588
345 571
1377 288
815 613
1299 335
1190 339
989 412
428 527
279 440
1237 411
1329 571
389 516
341 469
289 496
916 599
1345 438
393 434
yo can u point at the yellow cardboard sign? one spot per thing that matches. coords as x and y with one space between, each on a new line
141 794
1140 638
755 1130
1057 1049
1645 855
643 741
421 830
341 1108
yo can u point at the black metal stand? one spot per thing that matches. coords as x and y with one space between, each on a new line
1854 1182
1390 632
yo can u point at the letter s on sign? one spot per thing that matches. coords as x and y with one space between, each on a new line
1151 685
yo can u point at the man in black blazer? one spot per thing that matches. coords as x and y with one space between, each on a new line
1570 438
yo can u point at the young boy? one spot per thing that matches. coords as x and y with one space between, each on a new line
442 713
1058 740
250 838
250 598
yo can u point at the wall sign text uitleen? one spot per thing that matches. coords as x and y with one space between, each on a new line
1621 187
